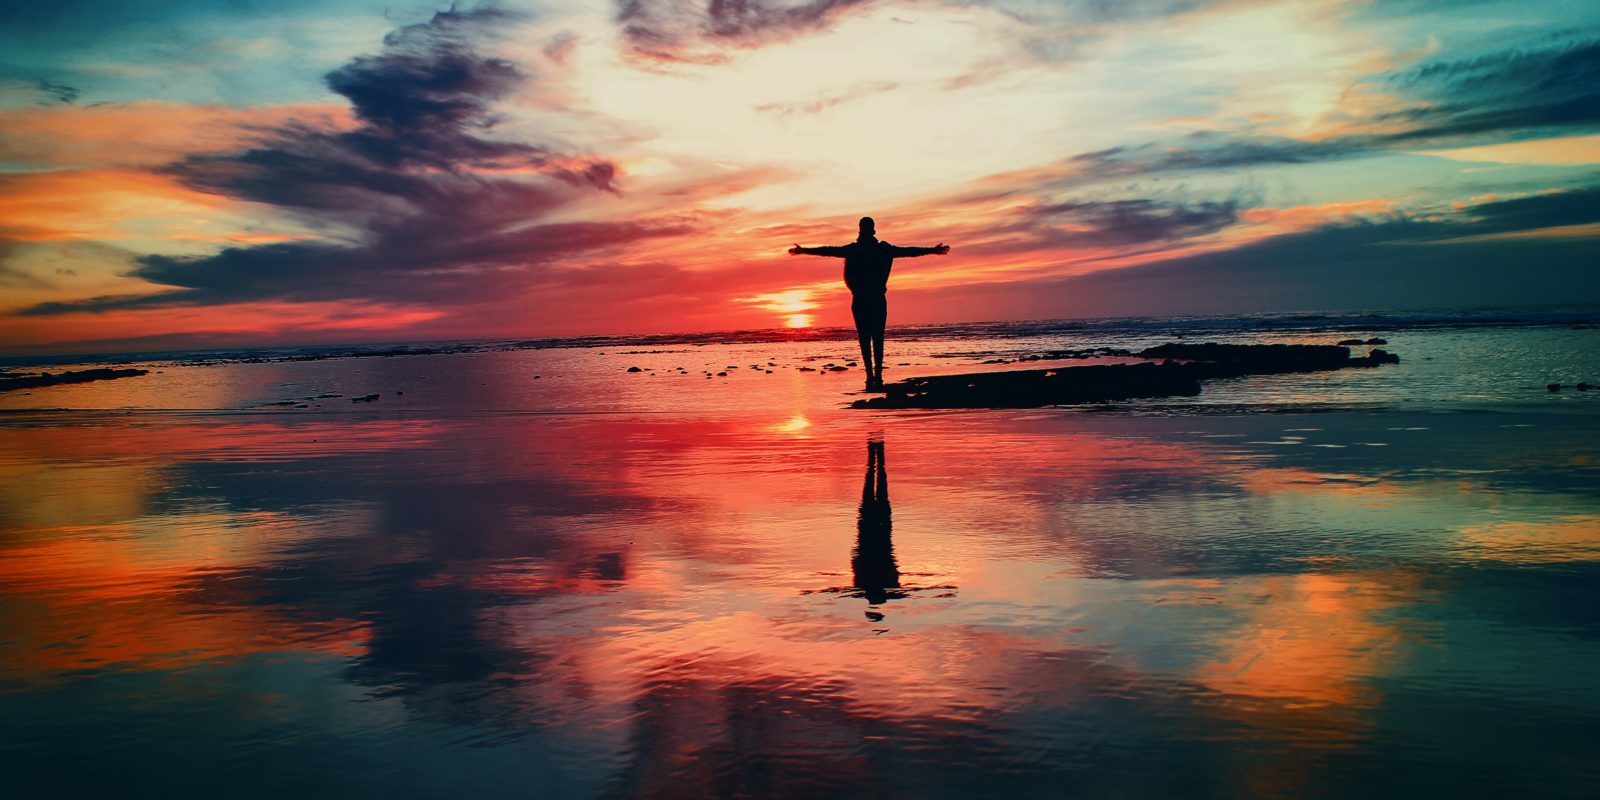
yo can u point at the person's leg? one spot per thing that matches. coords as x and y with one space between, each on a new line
863 316
879 322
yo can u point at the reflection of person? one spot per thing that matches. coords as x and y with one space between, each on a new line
872 564
866 271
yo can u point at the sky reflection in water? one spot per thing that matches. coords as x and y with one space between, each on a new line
779 604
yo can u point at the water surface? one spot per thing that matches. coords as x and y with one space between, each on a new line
735 587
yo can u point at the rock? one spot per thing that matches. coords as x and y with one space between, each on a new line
1039 387
1182 368
807 369
1232 360
722 374
838 369
366 398
1376 340
635 369
1552 387
1351 342
8 383
1584 387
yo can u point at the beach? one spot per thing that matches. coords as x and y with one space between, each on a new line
674 582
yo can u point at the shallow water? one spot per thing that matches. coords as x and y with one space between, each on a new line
734 587
1443 368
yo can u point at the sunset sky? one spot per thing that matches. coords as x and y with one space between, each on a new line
177 174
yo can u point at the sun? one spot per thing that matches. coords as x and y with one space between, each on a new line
790 306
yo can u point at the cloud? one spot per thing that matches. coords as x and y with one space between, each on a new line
1510 94
1549 210
144 134
827 101
1508 91
1390 262
1135 221
698 32
430 207
59 92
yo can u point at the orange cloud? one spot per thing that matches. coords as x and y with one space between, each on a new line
1303 218
265 320
146 133
97 204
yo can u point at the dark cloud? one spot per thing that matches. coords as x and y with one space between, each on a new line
59 92
1395 262
701 31
438 210
1202 151
1510 91
1575 207
684 30
1137 221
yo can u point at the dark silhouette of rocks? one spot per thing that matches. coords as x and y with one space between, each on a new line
1182 368
635 369
1225 360
366 398
42 379
1584 387
1552 387
1038 387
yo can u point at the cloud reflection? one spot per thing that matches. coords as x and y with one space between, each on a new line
642 593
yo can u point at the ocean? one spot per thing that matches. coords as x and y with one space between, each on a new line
524 569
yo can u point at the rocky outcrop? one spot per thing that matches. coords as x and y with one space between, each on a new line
1038 387
1179 373
42 379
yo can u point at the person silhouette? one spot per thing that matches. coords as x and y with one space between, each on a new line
866 271
872 564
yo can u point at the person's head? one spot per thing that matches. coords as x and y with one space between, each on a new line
869 229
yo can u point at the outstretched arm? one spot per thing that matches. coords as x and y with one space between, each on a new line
912 252
836 252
